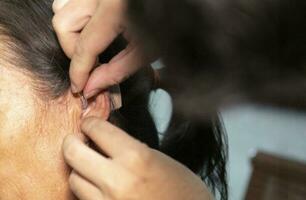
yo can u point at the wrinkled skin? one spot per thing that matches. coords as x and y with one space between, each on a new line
31 135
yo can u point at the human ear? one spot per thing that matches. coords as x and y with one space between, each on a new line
98 106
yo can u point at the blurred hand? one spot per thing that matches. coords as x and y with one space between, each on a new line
127 170
85 28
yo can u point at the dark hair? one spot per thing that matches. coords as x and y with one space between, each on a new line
31 44
219 52
252 50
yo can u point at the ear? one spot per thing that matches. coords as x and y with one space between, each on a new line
98 106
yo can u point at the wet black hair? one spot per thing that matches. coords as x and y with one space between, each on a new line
28 43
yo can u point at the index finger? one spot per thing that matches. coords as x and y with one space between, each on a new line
90 164
112 140
97 35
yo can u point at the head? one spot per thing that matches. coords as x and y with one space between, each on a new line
37 109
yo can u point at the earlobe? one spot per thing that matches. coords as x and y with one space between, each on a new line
98 106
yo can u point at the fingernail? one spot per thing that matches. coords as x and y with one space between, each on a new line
74 88
91 93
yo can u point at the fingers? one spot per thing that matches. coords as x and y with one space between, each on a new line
69 19
85 28
83 189
98 34
120 68
112 140
89 164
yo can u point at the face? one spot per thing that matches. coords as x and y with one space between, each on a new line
31 135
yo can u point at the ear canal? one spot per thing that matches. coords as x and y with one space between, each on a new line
98 106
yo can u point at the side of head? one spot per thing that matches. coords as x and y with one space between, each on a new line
37 109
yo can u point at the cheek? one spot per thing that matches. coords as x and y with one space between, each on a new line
17 114
16 118
17 109
16 129
27 153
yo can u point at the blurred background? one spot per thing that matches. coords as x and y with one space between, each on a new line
267 148
279 133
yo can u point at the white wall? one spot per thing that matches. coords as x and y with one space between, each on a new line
251 128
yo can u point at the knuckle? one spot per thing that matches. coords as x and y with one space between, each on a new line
55 6
59 24
134 157
139 157
55 22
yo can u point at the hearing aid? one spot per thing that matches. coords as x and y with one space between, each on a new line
84 101
115 98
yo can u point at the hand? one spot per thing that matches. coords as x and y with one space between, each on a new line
127 170
85 28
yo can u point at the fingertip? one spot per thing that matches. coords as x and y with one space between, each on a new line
73 177
78 79
89 123
74 88
68 139
69 147
80 68
91 93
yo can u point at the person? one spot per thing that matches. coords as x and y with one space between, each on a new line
216 53
38 110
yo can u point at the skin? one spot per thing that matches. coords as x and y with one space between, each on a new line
32 165
128 169
31 136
